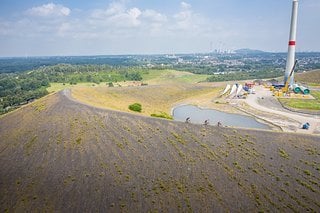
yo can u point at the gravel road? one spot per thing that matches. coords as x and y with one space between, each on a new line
264 101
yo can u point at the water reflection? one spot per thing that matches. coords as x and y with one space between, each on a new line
199 116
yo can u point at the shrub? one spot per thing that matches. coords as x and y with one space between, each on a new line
162 115
135 107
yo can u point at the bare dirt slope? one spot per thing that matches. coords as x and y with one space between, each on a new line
60 155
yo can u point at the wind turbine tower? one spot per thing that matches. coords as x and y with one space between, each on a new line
292 44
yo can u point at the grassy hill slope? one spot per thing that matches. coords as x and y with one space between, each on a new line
312 77
172 76
59 155
154 99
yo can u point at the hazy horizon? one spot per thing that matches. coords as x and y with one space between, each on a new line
138 54
140 27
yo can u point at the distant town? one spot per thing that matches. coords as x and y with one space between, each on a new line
215 62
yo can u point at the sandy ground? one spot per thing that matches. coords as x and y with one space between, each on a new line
264 101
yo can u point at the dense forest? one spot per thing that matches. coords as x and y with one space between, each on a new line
66 73
20 64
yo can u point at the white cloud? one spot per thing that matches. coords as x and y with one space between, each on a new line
50 9
184 18
154 16
185 5
115 8
119 28
116 15
189 23
115 21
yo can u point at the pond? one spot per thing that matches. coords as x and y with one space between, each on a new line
198 116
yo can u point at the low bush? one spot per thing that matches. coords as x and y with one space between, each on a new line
162 115
135 107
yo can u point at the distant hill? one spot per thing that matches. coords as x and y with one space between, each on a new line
249 51
308 77
59 155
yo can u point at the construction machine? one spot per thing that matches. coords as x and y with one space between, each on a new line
285 89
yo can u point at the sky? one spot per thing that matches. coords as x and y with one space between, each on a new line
113 27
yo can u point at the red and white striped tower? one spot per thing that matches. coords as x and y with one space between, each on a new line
292 43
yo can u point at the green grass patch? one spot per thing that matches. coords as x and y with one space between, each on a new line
307 172
171 76
55 87
193 78
313 84
303 103
38 106
283 154
78 141
162 115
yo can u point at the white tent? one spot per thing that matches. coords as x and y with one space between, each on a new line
226 89
239 89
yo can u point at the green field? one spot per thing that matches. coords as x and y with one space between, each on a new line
303 103
171 76
55 87
153 77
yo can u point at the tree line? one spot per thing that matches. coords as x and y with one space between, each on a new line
234 76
